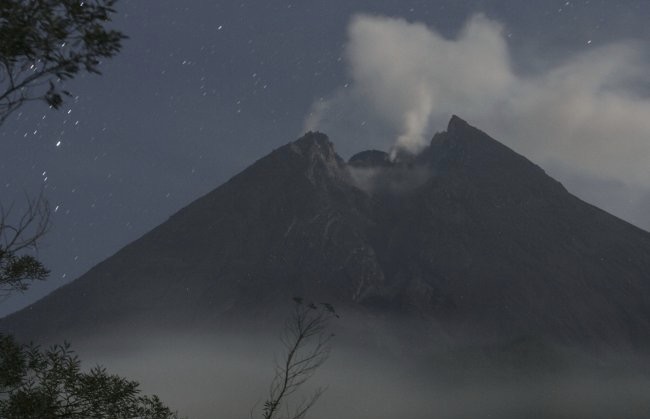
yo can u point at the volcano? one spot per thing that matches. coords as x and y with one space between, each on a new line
466 237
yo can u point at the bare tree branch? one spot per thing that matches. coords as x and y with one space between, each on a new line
17 237
307 347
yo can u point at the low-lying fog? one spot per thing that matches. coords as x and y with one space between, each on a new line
226 376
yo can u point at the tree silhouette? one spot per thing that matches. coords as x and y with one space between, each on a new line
43 43
17 268
37 383
306 345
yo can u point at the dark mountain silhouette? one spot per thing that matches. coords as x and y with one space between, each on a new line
468 239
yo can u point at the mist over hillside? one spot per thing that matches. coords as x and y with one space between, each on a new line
226 375
469 282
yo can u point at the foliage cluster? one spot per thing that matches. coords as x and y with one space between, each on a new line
37 383
45 42
17 237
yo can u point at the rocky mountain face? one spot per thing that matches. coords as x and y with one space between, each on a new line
467 238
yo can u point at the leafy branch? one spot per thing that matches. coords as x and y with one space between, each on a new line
45 42
17 269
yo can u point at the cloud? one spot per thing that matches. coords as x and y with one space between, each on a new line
209 374
582 115
408 75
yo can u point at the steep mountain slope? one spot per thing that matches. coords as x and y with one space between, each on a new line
497 248
467 238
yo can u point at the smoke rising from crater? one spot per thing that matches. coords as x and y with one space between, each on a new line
410 77
586 117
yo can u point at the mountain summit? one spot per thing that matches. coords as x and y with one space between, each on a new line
467 236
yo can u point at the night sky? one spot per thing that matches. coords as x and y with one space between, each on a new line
202 89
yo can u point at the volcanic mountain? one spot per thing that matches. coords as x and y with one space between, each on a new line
466 237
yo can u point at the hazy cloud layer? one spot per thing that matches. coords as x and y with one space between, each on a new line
583 115
225 376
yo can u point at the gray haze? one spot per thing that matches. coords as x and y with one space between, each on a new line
227 375
204 88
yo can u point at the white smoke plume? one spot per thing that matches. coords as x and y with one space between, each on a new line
585 117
